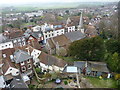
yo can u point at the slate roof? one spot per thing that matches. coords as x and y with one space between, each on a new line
3 38
73 36
79 64
93 66
37 34
20 56
18 82
98 66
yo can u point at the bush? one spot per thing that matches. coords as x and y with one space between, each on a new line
38 70
31 86
65 82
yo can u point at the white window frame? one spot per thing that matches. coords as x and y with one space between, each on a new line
22 63
29 65
24 68
28 61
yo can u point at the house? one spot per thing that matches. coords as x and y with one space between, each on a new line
35 36
52 30
36 28
9 70
70 28
56 45
14 39
91 68
24 62
90 31
18 82
5 43
51 63
35 53
20 41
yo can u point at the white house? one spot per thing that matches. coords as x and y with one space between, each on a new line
36 28
70 28
6 45
51 63
50 30
35 54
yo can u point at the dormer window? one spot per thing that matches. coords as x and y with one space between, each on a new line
23 69
22 63
29 66
28 61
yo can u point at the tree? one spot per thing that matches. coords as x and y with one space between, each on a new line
113 62
38 70
112 46
87 49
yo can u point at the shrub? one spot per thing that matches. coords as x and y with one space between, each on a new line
65 82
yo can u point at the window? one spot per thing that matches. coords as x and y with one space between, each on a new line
4 55
23 68
28 61
15 41
9 44
6 45
52 34
29 66
17 72
10 69
2 46
46 36
19 40
22 63
11 57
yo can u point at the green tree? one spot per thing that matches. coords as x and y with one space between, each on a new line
113 62
87 49
112 46
38 70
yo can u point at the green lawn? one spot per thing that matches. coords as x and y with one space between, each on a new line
102 83
67 59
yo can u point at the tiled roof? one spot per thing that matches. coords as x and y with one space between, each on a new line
61 40
51 60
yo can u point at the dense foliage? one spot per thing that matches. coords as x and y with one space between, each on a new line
97 49
88 49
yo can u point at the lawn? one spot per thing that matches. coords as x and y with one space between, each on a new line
102 83
67 59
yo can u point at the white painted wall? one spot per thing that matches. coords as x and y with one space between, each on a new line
71 28
12 71
59 32
6 45
35 53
